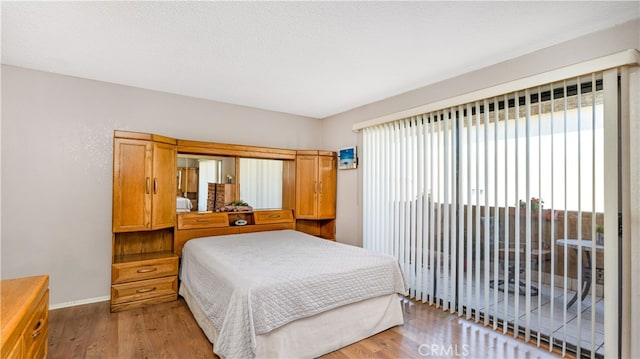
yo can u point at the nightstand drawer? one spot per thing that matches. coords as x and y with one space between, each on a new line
202 220
128 292
278 216
144 269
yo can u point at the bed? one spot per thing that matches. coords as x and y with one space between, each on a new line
287 294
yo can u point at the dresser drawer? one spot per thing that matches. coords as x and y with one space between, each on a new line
24 316
143 269
36 332
278 216
202 220
13 353
144 289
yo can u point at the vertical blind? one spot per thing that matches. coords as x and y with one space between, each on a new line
261 184
494 208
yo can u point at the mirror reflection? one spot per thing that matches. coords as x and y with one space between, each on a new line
207 183
196 174
261 182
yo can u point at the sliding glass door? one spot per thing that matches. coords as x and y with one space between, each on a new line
495 209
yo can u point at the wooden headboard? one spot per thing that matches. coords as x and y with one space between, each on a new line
205 224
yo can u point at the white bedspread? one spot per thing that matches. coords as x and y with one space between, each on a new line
252 283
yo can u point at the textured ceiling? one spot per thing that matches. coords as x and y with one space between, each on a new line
308 58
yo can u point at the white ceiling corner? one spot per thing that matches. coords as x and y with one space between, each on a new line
312 59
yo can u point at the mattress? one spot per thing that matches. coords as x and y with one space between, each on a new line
251 284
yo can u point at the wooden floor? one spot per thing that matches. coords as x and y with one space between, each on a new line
169 331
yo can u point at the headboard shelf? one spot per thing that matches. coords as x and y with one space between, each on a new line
205 224
127 246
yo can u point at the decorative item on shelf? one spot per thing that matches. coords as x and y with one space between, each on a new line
599 235
235 206
348 158
537 206
229 178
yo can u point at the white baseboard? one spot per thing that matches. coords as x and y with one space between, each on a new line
79 302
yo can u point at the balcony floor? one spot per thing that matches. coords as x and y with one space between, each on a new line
546 312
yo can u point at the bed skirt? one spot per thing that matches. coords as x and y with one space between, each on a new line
319 334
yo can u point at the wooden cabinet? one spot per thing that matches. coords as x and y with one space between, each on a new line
25 316
188 180
316 192
144 282
315 185
144 182
188 185
144 269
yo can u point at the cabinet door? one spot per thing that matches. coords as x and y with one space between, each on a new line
191 180
131 185
327 187
306 187
163 186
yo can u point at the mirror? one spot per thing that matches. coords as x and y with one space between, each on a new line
209 182
196 174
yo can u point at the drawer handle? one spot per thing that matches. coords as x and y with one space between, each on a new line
147 270
203 220
146 290
37 329
274 216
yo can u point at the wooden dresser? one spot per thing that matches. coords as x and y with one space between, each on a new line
25 314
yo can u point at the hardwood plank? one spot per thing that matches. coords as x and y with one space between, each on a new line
168 330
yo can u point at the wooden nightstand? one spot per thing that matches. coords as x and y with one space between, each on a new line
140 280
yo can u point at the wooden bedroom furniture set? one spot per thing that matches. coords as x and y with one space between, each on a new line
148 236
259 283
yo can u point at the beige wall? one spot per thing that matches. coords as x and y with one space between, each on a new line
57 166
337 129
